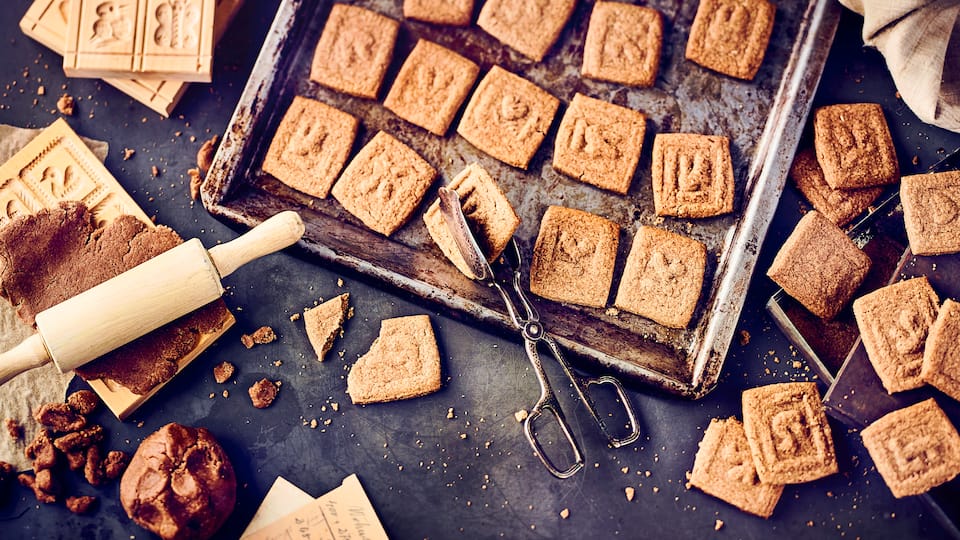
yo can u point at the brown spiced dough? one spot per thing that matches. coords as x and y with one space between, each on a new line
60 252
59 417
83 401
180 484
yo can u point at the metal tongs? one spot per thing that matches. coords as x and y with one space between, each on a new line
533 332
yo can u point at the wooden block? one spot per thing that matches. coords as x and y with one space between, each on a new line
57 166
46 22
111 38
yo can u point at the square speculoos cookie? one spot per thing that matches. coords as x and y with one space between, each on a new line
894 322
942 350
311 146
354 50
819 266
450 12
788 433
838 205
731 36
724 469
854 146
623 44
430 87
599 143
488 211
508 117
915 449
574 256
692 175
528 26
931 212
663 277
384 183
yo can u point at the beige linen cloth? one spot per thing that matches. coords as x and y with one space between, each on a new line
27 391
920 40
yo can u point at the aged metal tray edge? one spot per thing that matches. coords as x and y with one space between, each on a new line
765 182
766 177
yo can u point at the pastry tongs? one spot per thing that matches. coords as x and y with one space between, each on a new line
533 332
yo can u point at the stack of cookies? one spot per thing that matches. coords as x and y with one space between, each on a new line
785 438
148 50
507 117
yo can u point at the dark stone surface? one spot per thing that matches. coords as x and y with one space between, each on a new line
422 477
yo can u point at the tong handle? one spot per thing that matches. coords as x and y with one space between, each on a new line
551 406
548 402
582 387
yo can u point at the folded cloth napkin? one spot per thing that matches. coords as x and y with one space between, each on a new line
920 40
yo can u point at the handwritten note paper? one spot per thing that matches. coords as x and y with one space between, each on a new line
342 514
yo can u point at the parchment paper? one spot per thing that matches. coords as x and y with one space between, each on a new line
21 395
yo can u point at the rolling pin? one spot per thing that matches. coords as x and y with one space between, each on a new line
142 299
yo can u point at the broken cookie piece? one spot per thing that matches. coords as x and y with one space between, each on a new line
205 154
402 363
59 417
325 322
262 393
81 505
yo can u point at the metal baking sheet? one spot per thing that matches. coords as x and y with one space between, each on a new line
763 119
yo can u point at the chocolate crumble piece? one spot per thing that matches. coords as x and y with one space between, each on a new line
83 401
262 393
81 505
223 371
260 336
79 440
14 428
59 417
93 470
115 463
76 459
195 180
42 451
42 478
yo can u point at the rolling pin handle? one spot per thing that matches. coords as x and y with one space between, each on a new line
30 353
280 231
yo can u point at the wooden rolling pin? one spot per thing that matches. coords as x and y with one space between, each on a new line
142 299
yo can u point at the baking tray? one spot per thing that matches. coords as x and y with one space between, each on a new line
855 395
763 118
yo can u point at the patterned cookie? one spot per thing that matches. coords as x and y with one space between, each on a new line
724 468
931 212
731 36
623 44
915 448
854 146
788 432
894 322
942 349
692 175
838 205
527 26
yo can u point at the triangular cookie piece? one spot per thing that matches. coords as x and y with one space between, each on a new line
402 363
324 322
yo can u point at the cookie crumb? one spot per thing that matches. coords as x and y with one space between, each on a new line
295 317
195 180
744 338
520 415
66 104
128 153
339 282
718 525
565 513
262 393
313 424
335 406
154 171
450 413
223 371
226 393
41 90
629 492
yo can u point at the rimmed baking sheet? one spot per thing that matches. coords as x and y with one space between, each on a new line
763 119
